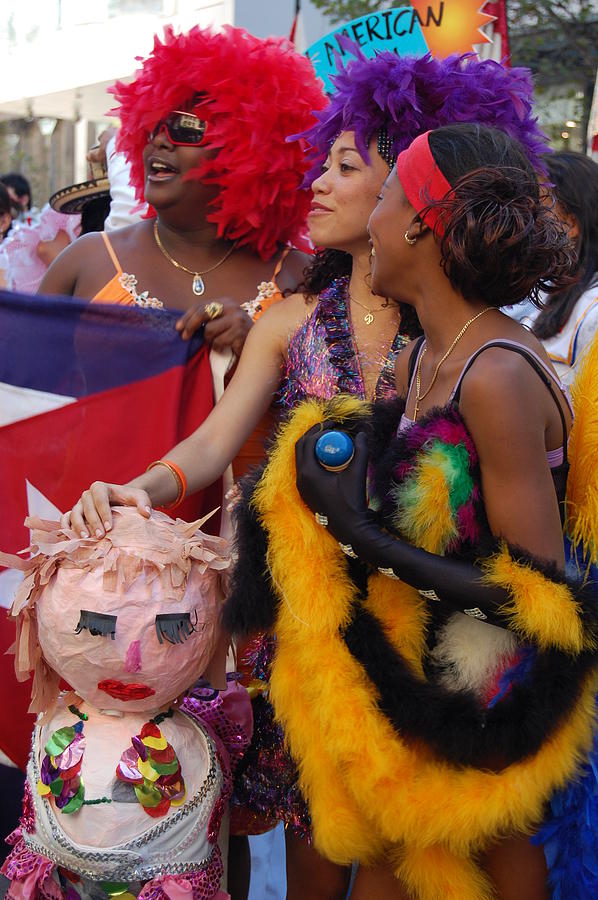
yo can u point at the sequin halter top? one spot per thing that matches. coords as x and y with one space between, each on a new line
323 359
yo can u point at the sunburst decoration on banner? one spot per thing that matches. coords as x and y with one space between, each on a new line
460 28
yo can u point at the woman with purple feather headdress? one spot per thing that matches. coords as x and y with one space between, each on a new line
334 337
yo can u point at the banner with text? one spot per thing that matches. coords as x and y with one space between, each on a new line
440 28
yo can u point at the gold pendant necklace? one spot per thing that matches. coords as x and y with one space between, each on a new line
418 394
369 315
197 285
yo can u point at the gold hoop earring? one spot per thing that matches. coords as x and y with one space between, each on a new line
410 240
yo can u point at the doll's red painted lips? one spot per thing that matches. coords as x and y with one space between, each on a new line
121 691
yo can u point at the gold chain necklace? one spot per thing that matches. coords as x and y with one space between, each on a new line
369 316
418 394
197 286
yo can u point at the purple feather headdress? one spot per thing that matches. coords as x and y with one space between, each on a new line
406 96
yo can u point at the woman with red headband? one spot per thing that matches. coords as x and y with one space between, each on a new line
448 666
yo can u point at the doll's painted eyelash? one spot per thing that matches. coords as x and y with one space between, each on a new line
175 627
96 623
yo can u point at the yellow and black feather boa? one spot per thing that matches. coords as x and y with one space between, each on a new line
380 748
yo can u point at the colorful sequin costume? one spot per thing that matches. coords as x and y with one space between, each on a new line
322 362
322 355
411 746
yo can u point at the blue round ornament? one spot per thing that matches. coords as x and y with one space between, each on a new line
334 450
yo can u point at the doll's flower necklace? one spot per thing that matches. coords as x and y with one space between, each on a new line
150 765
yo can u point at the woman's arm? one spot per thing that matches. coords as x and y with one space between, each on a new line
506 408
504 404
205 454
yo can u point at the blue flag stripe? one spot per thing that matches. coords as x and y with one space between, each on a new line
46 344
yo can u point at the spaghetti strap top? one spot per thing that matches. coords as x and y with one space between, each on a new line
523 351
556 458
122 287
268 292
111 252
113 291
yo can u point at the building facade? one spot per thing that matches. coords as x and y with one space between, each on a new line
61 56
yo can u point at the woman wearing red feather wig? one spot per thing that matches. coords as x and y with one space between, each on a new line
207 147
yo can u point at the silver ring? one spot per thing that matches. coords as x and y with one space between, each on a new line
321 520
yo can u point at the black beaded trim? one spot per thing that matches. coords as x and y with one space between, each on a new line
339 339
385 148
334 314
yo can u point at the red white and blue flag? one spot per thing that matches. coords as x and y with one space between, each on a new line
86 392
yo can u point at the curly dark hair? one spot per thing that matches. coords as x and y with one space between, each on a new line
328 264
574 180
501 243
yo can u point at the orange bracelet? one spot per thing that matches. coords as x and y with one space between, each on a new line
178 475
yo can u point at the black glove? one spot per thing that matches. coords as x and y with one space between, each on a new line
341 498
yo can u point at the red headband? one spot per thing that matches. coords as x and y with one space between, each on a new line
422 180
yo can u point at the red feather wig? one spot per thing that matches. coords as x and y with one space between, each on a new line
253 93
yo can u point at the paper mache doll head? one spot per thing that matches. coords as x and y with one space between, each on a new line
129 621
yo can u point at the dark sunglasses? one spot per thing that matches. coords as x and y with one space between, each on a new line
182 128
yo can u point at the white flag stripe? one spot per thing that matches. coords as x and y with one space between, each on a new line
18 403
492 50
37 505
9 582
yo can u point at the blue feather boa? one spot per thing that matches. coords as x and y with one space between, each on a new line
570 836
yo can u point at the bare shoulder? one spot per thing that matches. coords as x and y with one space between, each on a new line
498 373
515 331
63 273
281 321
122 236
91 245
288 314
502 397
83 247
